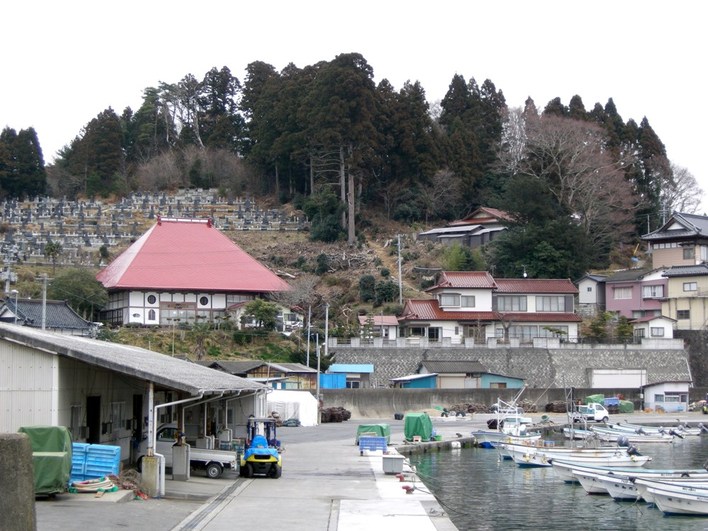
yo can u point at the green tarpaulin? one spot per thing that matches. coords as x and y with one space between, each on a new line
595 399
51 458
626 406
417 425
378 430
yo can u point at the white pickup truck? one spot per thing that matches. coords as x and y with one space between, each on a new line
213 461
591 412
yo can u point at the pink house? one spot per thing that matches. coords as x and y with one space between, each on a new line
636 293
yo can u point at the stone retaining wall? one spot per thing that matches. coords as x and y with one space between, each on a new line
540 368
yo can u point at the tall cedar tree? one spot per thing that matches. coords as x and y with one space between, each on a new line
22 171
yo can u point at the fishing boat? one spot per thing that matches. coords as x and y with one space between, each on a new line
680 429
610 435
566 472
675 498
612 456
510 425
513 428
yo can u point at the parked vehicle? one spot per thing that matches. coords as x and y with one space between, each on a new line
591 413
213 461
262 455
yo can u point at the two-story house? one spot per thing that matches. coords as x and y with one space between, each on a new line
591 294
680 246
687 300
635 293
472 304
681 241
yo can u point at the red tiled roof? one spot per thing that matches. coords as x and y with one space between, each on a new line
429 310
379 320
188 255
465 279
540 317
535 285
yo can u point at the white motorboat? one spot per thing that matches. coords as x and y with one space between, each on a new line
592 483
675 498
510 425
614 460
565 471
610 435
603 456
680 429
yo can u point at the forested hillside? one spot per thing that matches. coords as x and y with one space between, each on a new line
580 183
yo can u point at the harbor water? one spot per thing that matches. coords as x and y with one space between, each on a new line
480 491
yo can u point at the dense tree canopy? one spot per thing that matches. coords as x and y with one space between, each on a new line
328 133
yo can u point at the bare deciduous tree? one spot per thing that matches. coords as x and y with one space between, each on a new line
571 159
681 193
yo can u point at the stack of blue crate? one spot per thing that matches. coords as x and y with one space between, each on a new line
93 461
78 461
372 444
101 460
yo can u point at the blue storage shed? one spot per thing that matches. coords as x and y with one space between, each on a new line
416 381
357 374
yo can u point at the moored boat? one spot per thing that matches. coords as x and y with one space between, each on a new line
609 435
565 471
675 498
604 456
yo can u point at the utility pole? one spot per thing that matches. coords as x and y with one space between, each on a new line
400 279
44 301
309 329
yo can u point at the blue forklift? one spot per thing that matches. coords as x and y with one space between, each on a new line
261 456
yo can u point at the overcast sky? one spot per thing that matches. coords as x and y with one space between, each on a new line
64 62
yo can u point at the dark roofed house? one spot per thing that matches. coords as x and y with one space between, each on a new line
475 230
182 271
276 375
52 315
465 374
681 241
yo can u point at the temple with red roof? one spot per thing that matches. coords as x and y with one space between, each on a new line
181 271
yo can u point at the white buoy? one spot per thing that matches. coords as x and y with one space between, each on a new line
456 444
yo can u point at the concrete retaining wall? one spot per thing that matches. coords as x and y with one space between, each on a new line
540 368
17 509
383 403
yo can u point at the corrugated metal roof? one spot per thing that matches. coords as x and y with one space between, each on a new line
292 367
412 377
188 255
136 362
234 367
535 285
453 366
361 368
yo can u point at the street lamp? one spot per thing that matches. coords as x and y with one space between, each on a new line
15 312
